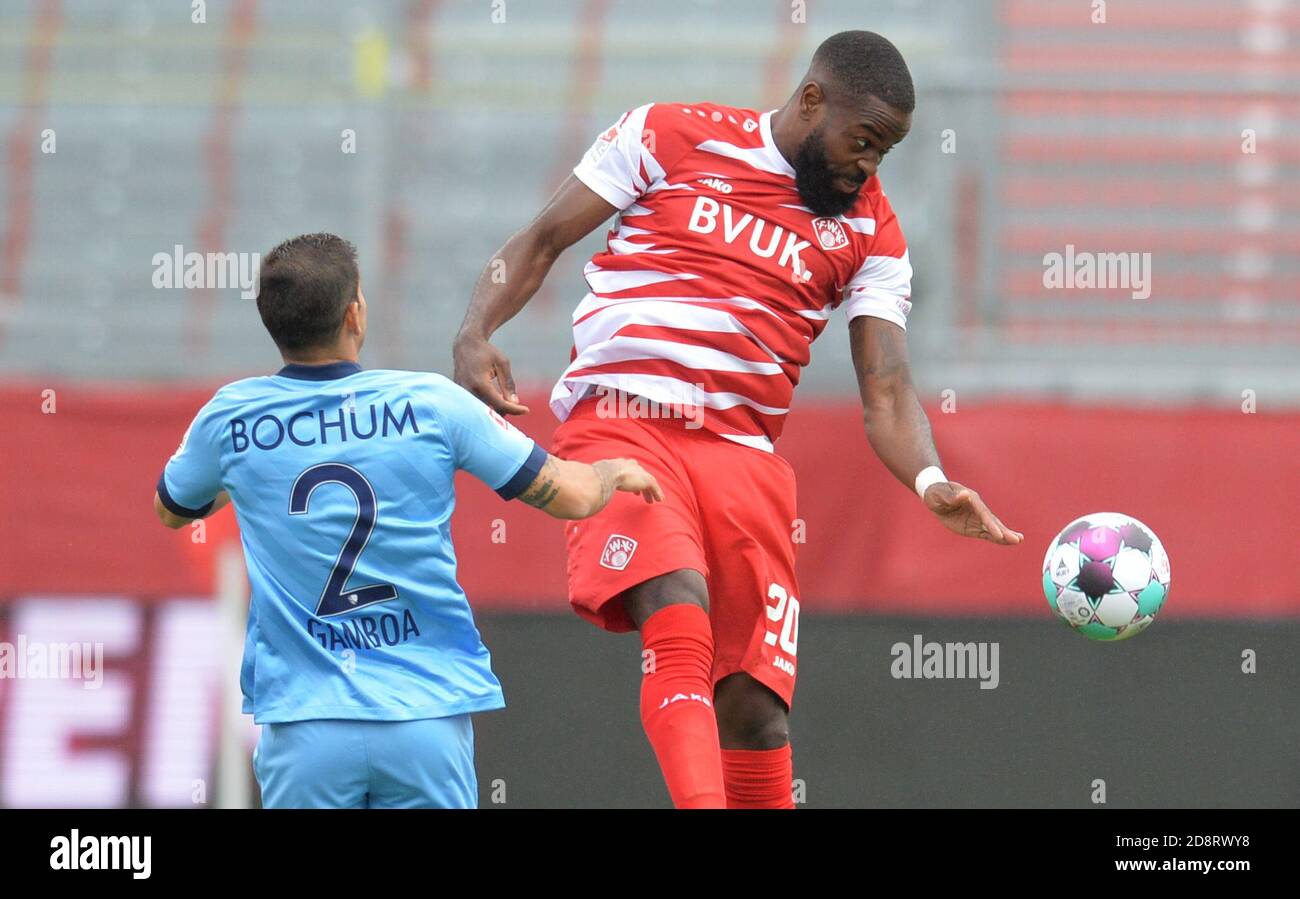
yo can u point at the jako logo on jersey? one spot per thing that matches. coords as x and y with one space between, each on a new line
618 552
604 142
830 234
704 220
717 184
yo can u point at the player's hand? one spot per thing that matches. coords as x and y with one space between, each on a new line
632 478
484 371
963 512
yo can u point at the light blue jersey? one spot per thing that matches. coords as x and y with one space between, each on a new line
342 483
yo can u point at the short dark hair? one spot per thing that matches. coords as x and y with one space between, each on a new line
305 287
863 64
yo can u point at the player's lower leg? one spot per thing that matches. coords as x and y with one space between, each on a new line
753 725
677 698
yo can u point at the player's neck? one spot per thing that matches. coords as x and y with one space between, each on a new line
323 357
785 143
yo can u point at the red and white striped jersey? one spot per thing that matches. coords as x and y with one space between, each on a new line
716 279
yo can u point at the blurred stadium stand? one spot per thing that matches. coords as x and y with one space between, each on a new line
225 136
1125 137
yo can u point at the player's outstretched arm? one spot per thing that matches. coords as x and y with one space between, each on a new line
899 431
509 281
174 521
571 490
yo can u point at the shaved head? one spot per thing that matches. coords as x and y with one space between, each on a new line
850 109
854 65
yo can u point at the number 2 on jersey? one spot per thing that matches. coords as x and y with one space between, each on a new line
336 598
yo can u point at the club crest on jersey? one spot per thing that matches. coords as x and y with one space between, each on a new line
830 233
618 552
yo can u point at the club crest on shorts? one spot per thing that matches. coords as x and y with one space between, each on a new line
618 552
830 233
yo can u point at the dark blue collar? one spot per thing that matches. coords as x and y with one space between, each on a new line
327 372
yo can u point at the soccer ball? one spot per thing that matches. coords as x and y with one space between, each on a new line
1106 575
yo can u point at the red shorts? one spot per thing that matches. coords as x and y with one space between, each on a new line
728 512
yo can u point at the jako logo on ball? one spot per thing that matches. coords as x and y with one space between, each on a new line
618 552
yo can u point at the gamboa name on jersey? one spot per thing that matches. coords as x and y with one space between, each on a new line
363 631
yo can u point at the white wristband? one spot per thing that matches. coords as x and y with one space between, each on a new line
929 476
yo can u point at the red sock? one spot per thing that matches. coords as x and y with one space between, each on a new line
677 705
758 778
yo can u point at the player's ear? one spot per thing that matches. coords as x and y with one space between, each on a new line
355 319
811 100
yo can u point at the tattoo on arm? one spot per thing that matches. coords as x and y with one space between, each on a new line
897 425
608 479
543 489
879 352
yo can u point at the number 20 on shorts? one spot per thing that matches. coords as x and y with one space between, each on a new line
785 613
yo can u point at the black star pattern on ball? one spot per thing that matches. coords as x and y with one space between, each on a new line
1075 532
1095 580
1136 537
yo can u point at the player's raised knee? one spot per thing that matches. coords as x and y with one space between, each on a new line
682 586
750 716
